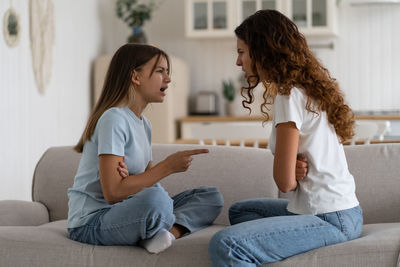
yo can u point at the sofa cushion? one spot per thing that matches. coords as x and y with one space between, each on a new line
376 177
376 172
238 172
251 176
22 213
53 175
48 245
378 246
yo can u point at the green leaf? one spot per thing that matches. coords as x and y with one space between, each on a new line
133 13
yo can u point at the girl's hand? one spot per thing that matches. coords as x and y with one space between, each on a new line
301 168
123 169
180 161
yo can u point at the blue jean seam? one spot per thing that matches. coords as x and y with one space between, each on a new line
234 246
158 220
259 211
117 226
195 194
183 222
342 226
316 226
186 195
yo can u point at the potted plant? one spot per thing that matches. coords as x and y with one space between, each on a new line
135 13
229 93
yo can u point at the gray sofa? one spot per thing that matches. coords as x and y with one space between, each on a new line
34 233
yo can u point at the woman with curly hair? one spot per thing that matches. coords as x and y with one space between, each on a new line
310 119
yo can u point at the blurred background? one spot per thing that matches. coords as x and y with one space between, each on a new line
53 55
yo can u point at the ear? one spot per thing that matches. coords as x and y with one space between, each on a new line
135 78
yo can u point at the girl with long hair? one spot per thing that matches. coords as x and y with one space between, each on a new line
116 198
311 119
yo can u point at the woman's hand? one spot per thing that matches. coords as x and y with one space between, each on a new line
301 167
180 161
123 169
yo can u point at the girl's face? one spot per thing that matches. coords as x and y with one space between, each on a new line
243 59
151 87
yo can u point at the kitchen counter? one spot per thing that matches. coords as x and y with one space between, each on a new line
240 129
387 117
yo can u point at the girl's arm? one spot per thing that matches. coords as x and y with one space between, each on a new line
117 188
123 169
286 149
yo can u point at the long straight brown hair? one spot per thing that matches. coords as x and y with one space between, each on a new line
118 88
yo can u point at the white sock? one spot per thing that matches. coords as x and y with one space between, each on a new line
159 242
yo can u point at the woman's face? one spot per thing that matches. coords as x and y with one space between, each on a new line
243 59
151 87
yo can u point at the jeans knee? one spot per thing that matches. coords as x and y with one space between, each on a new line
216 196
158 204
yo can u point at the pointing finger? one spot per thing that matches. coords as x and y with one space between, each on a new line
196 151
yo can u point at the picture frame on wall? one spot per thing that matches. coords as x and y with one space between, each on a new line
11 28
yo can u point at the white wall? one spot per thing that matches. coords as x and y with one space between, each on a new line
32 122
366 58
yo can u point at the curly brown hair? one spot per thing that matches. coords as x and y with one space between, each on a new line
278 48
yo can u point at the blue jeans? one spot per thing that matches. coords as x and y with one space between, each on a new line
263 231
142 215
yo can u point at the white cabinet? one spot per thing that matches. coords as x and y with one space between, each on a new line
209 18
245 8
226 130
251 131
219 18
243 131
314 17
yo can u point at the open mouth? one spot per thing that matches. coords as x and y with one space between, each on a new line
163 89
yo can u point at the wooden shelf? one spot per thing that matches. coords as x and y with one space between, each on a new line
260 118
378 117
221 118
263 143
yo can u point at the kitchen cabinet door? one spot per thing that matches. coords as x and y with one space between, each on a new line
245 8
218 18
314 17
209 18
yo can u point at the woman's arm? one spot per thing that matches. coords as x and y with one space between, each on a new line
286 149
117 188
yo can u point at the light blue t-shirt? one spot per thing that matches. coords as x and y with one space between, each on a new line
119 132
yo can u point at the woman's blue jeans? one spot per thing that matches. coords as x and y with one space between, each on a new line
263 231
142 215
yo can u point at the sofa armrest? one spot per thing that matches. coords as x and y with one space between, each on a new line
22 213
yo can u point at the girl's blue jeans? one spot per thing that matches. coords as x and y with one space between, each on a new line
142 215
263 231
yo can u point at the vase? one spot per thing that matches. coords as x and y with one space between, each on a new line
138 36
235 108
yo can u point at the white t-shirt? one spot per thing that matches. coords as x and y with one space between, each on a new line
329 186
